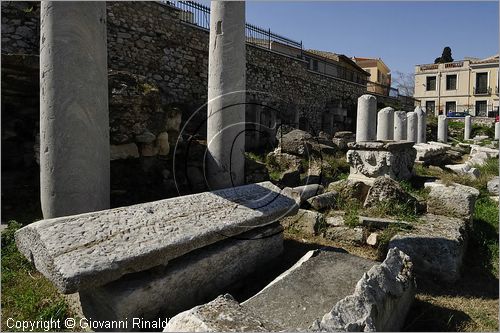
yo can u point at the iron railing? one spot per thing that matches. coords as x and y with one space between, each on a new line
482 90
199 15
488 110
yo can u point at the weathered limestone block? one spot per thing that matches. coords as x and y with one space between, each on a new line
296 142
284 161
380 301
88 250
128 150
381 223
163 144
185 281
493 186
387 190
302 193
223 314
309 289
323 201
436 246
350 189
464 169
345 234
291 302
428 151
453 200
305 221
490 152
369 160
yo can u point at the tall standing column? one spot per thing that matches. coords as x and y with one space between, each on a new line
226 95
468 126
385 124
497 130
412 126
399 126
74 118
366 119
422 125
442 129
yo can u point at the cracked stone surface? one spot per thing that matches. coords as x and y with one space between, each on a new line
87 250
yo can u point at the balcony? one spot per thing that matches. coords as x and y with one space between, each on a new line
482 91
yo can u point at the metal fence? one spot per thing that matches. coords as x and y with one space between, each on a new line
479 111
199 15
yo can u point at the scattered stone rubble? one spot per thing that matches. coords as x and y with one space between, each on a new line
297 299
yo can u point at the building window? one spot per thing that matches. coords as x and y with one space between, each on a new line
481 108
481 83
451 107
451 82
431 83
430 106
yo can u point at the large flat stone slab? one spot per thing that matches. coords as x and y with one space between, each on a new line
436 246
192 279
307 291
88 250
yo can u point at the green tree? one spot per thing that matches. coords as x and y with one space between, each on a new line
445 56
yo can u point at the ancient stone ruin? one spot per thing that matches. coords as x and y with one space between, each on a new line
243 249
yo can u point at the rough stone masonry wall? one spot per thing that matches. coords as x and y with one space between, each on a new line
149 39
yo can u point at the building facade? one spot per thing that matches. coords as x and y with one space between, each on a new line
469 85
380 75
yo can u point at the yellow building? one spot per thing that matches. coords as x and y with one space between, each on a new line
380 74
469 85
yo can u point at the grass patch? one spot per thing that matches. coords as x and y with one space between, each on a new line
484 237
401 211
26 294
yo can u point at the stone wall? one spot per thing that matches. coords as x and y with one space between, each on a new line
149 39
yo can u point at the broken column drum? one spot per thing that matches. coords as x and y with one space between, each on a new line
74 118
366 118
400 126
226 95
422 125
442 135
385 124
412 126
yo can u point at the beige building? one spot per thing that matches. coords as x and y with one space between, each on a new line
380 75
469 85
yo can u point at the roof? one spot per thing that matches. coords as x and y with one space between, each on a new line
492 59
360 60
337 58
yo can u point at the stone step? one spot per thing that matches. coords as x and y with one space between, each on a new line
89 250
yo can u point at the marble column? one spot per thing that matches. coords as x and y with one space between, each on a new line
468 127
497 131
366 122
400 126
74 117
422 125
226 95
385 124
442 129
411 127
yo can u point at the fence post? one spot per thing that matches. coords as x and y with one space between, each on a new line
269 36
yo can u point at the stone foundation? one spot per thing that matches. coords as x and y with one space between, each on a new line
187 281
372 159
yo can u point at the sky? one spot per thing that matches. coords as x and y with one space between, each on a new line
402 33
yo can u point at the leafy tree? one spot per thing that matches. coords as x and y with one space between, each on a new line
445 57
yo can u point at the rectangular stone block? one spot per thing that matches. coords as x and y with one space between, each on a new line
184 282
89 250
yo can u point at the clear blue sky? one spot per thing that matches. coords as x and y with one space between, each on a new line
403 34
